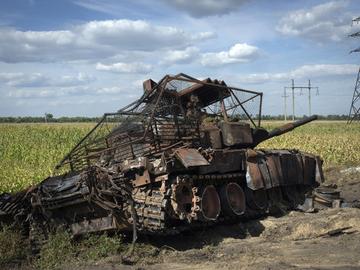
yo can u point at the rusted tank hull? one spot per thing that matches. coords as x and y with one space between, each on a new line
180 156
101 199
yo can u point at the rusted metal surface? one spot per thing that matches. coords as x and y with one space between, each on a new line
326 196
236 133
181 156
225 161
254 178
142 179
210 204
232 198
191 157
94 225
211 137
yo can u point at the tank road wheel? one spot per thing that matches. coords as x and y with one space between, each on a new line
193 203
256 199
182 198
232 199
210 206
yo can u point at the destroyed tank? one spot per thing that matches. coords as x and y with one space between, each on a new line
182 156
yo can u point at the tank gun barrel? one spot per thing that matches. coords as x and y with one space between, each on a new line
290 126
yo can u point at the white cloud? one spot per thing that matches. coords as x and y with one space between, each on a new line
20 79
324 22
92 40
136 67
69 80
202 8
61 92
108 7
239 53
180 56
305 71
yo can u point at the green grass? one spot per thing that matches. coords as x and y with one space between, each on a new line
61 251
29 152
12 247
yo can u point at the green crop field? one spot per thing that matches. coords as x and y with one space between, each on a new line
29 152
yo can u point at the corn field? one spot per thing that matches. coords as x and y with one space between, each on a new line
336 142
29 152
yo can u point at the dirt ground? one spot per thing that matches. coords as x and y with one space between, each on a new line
294 241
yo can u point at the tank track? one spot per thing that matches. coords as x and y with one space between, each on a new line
154 211
150 208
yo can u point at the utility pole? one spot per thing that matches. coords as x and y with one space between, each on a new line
309 97
293 88
354 113
285 96
293 99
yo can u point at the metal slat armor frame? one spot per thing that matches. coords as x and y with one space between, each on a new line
167 114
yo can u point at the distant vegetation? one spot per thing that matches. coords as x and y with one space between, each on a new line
83 119
320 117
48 119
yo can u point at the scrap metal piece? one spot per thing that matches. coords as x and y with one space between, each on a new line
93 225
319 171
190 157
141 179
326 195
307 206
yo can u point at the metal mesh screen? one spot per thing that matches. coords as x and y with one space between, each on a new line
162 117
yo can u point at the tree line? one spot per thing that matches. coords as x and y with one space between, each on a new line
38 119
49 118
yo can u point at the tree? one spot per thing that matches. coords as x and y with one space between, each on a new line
48 117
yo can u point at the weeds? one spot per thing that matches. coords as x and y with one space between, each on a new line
12 247
60 250
94 247
56 252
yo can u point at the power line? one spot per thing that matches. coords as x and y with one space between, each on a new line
285 96
293 88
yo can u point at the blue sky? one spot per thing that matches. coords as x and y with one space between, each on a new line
87 57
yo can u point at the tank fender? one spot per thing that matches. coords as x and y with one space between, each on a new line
190 157
266 169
